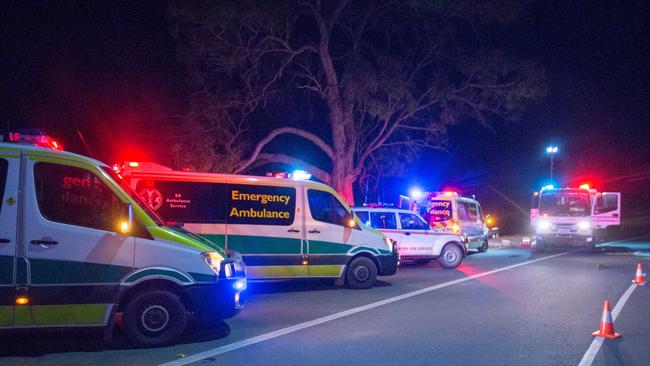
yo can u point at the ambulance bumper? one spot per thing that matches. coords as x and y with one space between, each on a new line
211 302
223 299
388 263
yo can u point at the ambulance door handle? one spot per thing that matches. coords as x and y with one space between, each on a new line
44 242
4 241
293 231
407 233
314 231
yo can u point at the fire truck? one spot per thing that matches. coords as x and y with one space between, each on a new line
573 215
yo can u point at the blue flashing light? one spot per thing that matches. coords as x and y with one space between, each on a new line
416 193
548 186
300 175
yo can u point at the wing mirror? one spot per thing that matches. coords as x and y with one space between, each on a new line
125 225
350 221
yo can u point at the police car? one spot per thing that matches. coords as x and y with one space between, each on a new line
416 240
78 249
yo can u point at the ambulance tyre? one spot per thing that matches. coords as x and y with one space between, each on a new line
484 247
361 273
155 318
451 256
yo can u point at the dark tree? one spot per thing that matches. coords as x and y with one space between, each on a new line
391 75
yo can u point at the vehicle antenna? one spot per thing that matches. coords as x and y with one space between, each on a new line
85 144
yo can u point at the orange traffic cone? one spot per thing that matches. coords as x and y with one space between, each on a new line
606 329
639 279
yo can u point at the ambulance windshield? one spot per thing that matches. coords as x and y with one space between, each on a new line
570 203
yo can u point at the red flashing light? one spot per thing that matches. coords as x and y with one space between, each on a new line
36 138
134 164
585 186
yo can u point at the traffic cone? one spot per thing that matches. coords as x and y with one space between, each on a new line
606 329
639 279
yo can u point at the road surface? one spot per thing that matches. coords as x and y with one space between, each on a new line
504 307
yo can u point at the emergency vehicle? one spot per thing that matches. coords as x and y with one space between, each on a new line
79 249
283 227
416 241
573 215
449 211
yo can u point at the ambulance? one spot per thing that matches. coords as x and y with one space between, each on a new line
573 215
283 227
449 211
78 249
416 241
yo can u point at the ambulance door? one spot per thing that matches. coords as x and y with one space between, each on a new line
9 171
414 236
328 238
75 254
265 225
607 210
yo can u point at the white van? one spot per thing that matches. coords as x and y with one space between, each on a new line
284 228
449 211
415 239
77 248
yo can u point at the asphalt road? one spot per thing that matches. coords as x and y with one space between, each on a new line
505 307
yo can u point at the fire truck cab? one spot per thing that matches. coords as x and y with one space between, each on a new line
573 215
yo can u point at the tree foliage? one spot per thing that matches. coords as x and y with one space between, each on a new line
388 76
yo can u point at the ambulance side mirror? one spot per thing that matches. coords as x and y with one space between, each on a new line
350 221
126 223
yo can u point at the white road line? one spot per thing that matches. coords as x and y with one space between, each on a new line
328 318
593 349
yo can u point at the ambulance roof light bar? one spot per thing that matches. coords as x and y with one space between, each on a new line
35 137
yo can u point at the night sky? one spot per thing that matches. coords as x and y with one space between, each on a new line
106 68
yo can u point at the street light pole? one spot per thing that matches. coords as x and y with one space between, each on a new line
552 150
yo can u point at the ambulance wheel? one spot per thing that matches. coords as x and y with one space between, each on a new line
451 256
155 318
422 261
483 248
361 273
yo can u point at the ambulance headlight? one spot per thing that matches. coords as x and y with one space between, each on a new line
544 226
584 225
212 259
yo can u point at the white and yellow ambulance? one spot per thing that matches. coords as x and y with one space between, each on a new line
449 211
78 249
283 228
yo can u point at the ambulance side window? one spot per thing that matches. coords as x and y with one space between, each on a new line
185 202
383 220
325 207
3 179
76 196
462 211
